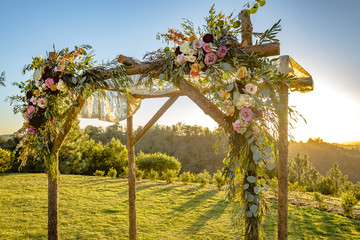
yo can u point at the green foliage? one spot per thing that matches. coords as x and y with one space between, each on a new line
348 202
99 173
112 173
2 79
158 162
125 172
152 175
5 160
139 174
170 176
203 178
320 199
219 179
334 181
187 177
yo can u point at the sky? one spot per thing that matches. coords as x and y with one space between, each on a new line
322 36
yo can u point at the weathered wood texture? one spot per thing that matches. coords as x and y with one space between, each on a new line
246 29
171 94
283 165
156 117
205 104
131 180
126 60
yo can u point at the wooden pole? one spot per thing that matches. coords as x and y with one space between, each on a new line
131 180
283 165
53 200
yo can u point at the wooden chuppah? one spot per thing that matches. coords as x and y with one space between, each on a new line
265 50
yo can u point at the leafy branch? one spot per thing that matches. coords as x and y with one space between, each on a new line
269 35
2 79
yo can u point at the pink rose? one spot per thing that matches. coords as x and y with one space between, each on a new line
222 51
30 109
210 59
181 59
237 126
31 130
198 43
247 114
27 116
49 82
207 48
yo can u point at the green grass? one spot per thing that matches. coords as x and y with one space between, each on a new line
97 208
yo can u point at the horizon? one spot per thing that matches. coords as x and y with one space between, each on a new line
331 110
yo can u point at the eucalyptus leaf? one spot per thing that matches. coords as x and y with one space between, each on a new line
74 80
83 79
268 149
253 208
270 166
250 198
266 157
262 181
248 133
238 164
265 92
246 186
251 140
257 189
267 187
226 66
254 148
256 156
251 179
248 214
230 87
161 76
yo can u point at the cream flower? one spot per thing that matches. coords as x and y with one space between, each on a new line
58 68
42 102
192 52
241 101
241 72
43 86
224 94
61 86
251 88
230 110
184 48
249 101
190 58
33 100
37 74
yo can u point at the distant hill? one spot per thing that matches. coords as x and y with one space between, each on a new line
323 155
5 136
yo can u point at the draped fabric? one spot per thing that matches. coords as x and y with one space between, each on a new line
112 106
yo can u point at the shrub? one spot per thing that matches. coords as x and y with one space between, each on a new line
112 173
203 178
138 174
99 173
348 202
153 175
125 172
219 179
320 199
158 162
170 175
187 177
5 160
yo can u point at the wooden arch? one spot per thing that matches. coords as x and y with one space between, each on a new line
185 89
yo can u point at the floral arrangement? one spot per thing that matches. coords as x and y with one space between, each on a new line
245 87
53 91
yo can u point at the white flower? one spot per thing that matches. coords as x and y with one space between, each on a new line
251 88
249 101
197 44
43 86
241 101
42 102
190 58
58 68
184 48
37 74
192 52
33 100
61 86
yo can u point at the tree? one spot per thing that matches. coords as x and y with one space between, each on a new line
334 181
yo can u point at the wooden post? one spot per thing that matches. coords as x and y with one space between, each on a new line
131 180
53 201
246 29
283 165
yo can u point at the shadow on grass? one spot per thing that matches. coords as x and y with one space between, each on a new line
146 186
213 213
195 201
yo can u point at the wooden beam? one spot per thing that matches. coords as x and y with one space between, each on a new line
246 29
126 60
131 179
171 94
283 164
205 104
156 117
263 50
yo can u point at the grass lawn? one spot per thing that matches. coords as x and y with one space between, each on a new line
97 208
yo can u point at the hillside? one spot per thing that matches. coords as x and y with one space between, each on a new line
323 155
96 208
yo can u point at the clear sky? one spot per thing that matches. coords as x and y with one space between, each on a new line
323 36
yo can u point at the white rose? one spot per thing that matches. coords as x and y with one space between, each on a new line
241 101
184 48
37 74
251 88
190 58
61 86
42 102
192 52
249 101
33 100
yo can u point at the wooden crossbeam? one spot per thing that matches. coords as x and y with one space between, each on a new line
155 118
